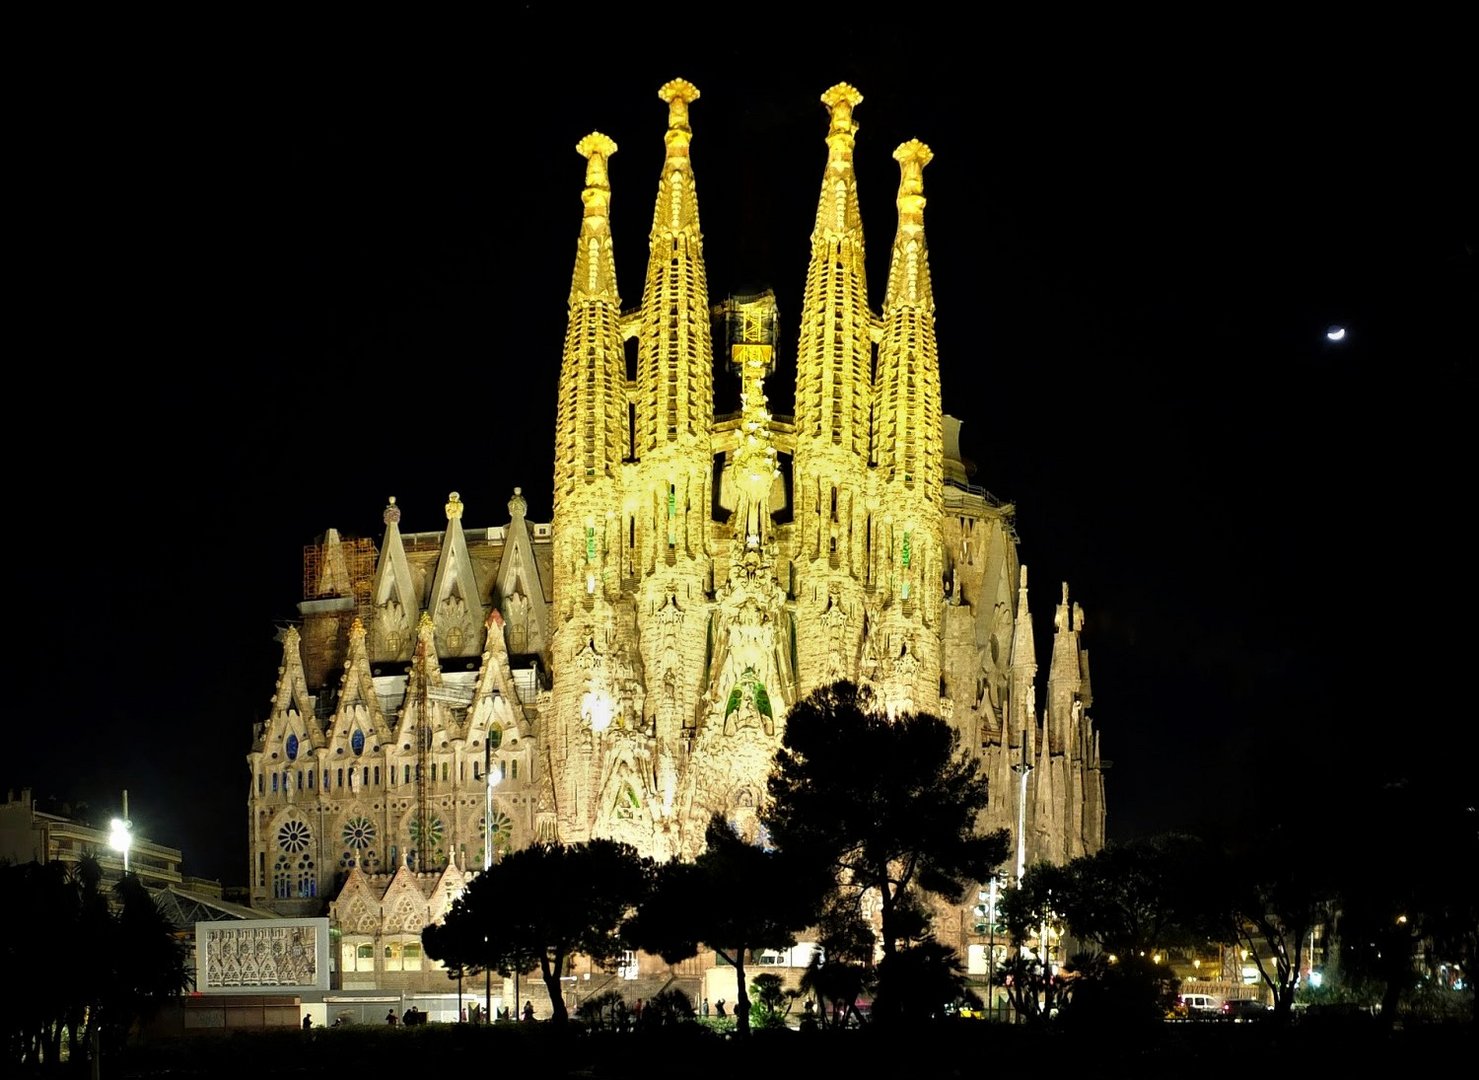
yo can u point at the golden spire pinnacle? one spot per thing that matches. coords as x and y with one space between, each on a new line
678 93
912 157
392 513
596 148
840 101
425 624
908 275
454 506
357 629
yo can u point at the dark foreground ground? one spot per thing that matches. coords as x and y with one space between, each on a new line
966 1048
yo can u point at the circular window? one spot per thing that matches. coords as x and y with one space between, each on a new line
293 836
432 837
359 832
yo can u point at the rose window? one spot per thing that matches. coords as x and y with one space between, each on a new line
359 832
502 831
293 836
432 833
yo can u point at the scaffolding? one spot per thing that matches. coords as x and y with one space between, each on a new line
340 567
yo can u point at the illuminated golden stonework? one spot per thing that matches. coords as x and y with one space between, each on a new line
632 663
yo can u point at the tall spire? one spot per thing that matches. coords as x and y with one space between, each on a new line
675 356
595 261
908 439
833 359
835 529
1024 663
907 436
591 421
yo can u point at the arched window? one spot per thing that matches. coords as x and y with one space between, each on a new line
294 873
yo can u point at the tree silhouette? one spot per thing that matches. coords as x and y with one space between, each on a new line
1130 900
841 970
92 969
887 804
540 906
735 897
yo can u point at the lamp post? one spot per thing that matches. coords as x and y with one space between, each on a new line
991 949
489 780
1022 768
120 839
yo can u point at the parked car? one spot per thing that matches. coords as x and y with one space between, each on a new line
1243 1010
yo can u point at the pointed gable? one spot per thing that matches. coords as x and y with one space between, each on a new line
292 730
359 708
404 908
518 591
333 568
291 693
447 889
456 607
425 687
393 594
356 910
495 695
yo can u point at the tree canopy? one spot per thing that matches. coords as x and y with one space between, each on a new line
888 804
735 897
82 968
538 907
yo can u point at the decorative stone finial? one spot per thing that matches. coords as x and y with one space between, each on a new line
454 506
426 625
517 507
357 629
678 93
912 157
840 101
596 148
392 514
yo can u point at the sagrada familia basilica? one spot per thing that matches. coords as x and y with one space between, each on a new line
625 670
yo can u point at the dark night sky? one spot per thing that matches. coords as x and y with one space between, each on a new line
260 291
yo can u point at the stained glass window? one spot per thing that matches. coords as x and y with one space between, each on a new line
292 748
293 836
357 741
359 832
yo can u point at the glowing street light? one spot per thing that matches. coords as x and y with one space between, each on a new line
120 838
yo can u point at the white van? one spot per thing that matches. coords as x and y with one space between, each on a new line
1202 1005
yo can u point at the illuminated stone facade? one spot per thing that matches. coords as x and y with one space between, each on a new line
635 659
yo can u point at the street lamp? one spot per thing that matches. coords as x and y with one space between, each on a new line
120 839
1022 769
991 893
489 781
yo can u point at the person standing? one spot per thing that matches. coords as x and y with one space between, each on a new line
390 1018
703 1009
528 1009
719 1008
